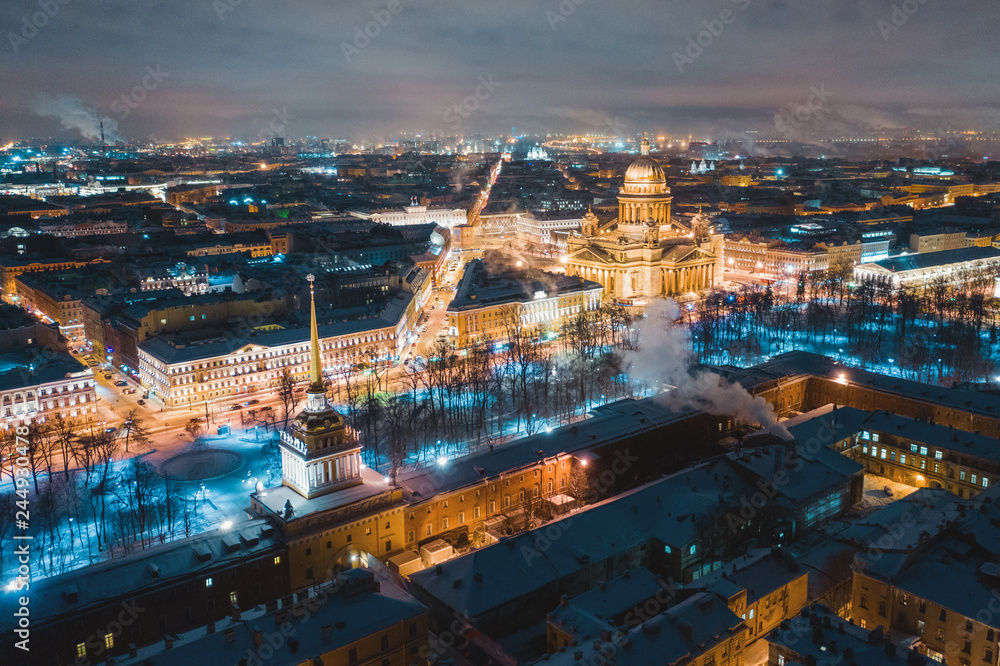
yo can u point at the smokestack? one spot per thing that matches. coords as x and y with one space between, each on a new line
103 145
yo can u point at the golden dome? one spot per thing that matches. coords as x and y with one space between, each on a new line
644 169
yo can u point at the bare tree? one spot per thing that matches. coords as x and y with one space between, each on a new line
135 431
287 394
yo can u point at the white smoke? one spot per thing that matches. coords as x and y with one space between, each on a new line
665 359
76 114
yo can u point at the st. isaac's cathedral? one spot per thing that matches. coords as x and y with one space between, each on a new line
645 253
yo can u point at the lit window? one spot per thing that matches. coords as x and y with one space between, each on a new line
694 549
874 436
938 455
109 641
923 450
277 559
973 477
865 434
913 448
208 582
81 649
666 549
961 475
232 597
986 482
902 458
751 613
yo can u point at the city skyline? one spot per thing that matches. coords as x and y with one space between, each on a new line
230 68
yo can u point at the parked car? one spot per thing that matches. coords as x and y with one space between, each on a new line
128 391
107 375
887 490
140 401
235 408
253 401
121 382
111 429
197 419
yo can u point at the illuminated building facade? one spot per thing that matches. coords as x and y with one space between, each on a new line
645 253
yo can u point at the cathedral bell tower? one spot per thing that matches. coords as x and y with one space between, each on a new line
318 455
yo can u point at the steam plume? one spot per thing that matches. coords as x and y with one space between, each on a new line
665 357
74 113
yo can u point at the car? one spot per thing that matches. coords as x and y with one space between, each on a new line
111 429
197 419
887 490
140 401
92 364
107 376
253 401
121 382
128 391
235 408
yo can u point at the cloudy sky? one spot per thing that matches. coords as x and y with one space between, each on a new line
356 69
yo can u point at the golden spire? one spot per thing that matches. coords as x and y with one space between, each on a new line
644 149
315 367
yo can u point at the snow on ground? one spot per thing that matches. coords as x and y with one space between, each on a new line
875 498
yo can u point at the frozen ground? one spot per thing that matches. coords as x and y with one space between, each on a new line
875 497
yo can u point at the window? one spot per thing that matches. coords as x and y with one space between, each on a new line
923 450
944 615
881 609
961 475
751 613
923 606
694 549
988 656
973 478
208 582
874 452
920 627
444 524
937 468
986 482
913 448
923 463
352 656
388 545
938 455
427 529
865 434
666 549
902 458
109 641
461 517
475 512
233 597
884 451
81 649
874 436
410 535
277 559
864 601
968 626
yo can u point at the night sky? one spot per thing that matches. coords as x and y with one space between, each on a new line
231 68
